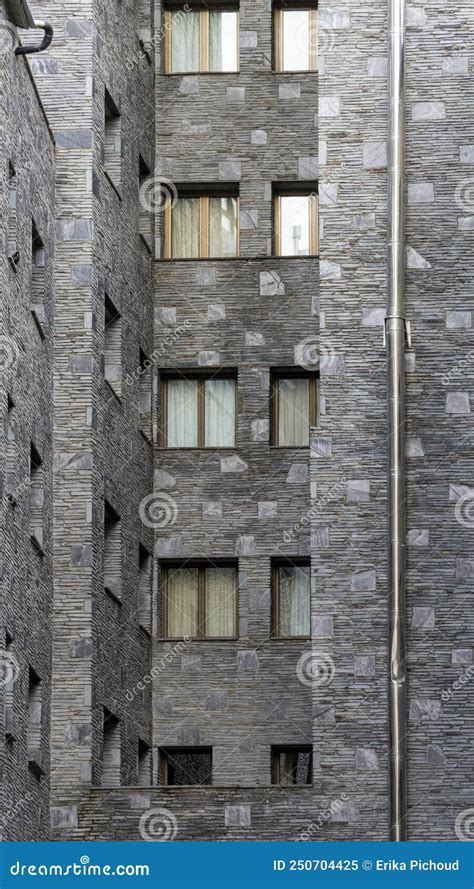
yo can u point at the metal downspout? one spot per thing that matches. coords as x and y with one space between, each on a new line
396 329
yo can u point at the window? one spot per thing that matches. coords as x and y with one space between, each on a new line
199 412
38 262
11 455
112 552
295 36
145 218
296 223
186 766
291 599
35 694
292 765
201 40
295 398
112 142
36 497
112 347
200 601
111 754
8 677
145 385
144 764
144 588
202 227
12 247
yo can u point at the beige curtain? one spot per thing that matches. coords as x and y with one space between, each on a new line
182 415
184 41
293 412
221 593
295 601
223 41
220 413
185 225
182 602
222 227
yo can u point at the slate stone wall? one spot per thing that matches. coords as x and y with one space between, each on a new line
26 382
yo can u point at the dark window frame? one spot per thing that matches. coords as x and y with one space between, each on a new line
166 752
313 394
202 565
201 377
276 564
277 750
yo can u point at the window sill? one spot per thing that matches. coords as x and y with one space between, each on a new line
291 256
201 73
291 639
304 71
201 258
210 450
189 639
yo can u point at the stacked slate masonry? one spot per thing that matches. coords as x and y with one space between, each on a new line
253 314
27 220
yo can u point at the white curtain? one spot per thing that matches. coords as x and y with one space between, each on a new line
295 601
222 227
184 41
223 41
182 602
182 414
220 413
296 39
294 225
221 591
293 412
185 226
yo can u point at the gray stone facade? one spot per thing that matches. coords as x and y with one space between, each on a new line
75 600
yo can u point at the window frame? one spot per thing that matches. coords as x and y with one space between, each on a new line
201 565
277 750
204 217
313 397
165 753
278 36
296 562
201 378
204 40
288 192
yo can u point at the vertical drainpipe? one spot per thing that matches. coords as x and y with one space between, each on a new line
396 329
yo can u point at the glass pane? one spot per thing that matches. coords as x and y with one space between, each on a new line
295 225
185 223
223 41
220 413
184 41
221 592
295 583
295 767
296 39
182 602
189 767
182 419
293 413
222 227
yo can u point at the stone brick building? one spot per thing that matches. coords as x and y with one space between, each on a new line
214 354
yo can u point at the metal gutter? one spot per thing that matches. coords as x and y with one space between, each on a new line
396 329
